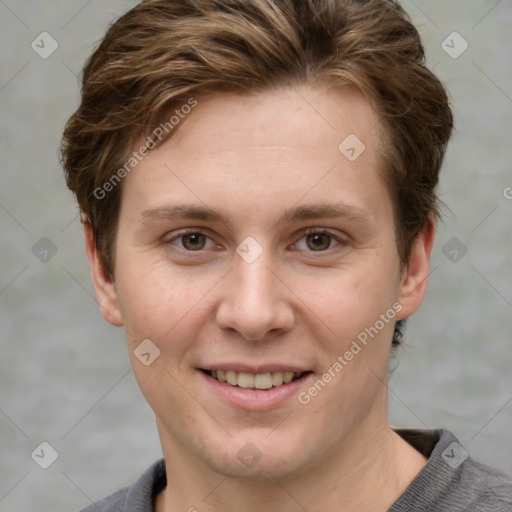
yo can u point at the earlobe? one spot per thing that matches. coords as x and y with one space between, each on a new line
415 277
102 280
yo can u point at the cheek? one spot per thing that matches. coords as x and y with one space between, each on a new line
165 304
152 303
349 300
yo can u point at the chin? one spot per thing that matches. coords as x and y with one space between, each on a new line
257 454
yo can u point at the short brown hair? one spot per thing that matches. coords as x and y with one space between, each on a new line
161 53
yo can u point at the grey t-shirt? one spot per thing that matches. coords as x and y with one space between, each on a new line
451 481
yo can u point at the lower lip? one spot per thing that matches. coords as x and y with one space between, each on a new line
256 399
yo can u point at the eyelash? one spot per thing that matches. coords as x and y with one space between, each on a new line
340 241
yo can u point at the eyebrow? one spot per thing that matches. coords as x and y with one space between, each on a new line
296 214
323 210
182 211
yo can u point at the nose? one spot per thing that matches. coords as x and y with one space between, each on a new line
255 302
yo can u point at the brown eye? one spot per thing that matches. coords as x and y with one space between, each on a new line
190 241
318 241
193 241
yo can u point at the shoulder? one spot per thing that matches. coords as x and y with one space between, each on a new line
451 480
138 497
491 488
113 503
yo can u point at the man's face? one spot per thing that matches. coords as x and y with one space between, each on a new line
250 243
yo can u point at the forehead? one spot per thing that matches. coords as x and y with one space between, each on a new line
280 145
308 118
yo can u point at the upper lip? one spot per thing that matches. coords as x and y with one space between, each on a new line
256 369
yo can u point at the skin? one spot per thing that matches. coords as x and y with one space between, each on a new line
251 158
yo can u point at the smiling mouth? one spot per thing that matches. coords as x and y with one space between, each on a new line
261 381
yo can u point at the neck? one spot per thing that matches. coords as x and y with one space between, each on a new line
368 473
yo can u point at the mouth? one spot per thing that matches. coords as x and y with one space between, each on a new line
259 381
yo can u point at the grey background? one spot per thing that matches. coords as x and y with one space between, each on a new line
65 374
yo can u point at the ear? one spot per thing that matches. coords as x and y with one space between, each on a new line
415 275
102 280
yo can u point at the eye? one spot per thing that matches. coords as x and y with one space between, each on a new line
191 240
317 241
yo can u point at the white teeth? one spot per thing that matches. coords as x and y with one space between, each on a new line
245 380
263 381
277 378
288 377
232 378
255 381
